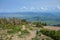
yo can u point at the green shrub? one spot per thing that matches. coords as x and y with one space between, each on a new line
14 30
35 38
53 34
24 33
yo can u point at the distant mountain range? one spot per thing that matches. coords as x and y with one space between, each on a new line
49 17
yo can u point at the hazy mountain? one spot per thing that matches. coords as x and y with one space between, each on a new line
50 17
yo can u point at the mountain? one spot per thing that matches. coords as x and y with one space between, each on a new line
49 17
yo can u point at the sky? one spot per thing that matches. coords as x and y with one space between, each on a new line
29 5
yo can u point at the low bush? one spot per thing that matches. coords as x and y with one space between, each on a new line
52 33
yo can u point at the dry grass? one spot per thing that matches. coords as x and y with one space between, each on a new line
52 27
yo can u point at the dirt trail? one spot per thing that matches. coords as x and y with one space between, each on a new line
28 37
31 35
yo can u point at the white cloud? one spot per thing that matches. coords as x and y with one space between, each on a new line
32 8
22 8
58 7
43 8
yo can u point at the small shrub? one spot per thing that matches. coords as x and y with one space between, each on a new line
23 33
53 34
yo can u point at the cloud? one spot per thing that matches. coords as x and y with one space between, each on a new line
23 8
58 7
43 8
32 8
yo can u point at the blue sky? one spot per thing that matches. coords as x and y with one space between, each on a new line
29 5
